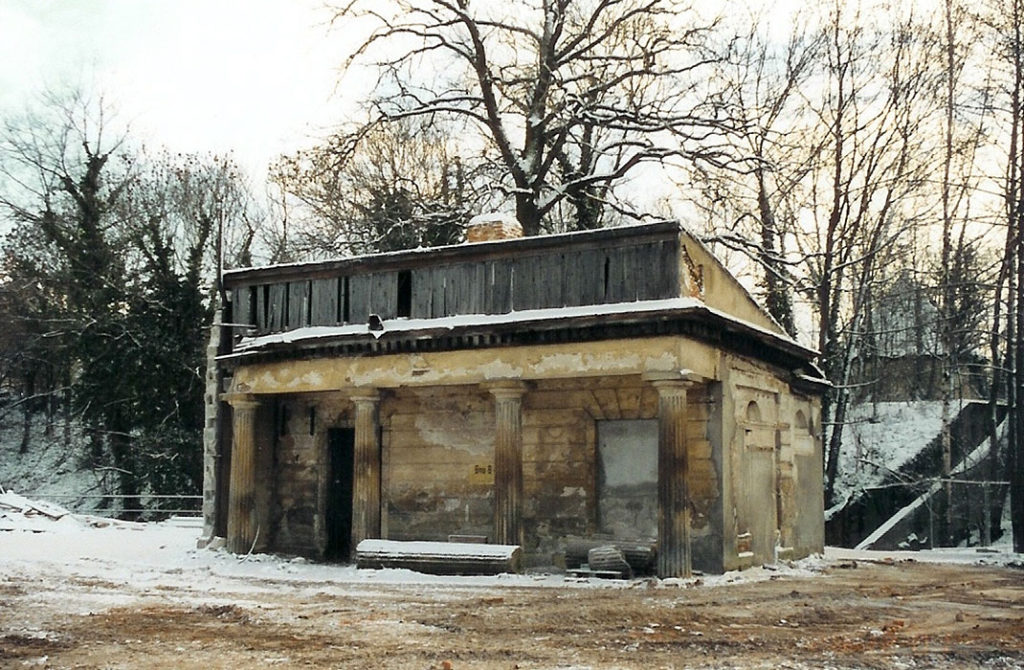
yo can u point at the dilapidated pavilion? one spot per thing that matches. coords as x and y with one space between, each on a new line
615 385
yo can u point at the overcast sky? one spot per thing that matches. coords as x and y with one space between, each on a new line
256 77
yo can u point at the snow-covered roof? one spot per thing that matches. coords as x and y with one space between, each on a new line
623 313
452 323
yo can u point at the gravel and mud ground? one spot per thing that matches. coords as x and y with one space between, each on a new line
842 614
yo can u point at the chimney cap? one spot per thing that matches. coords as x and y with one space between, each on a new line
493 226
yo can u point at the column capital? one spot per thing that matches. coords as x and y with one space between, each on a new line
241 400
365 395
506 389
672 379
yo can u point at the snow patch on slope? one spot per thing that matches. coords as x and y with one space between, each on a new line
879 438
51 463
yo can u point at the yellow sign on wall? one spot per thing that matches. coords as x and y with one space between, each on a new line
482 473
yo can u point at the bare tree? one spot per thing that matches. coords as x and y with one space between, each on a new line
957 278
872 97
404 185
753 209
1005 24
569 96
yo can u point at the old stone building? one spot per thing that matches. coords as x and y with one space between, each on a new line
617 385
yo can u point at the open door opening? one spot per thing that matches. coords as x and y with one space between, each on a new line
341 451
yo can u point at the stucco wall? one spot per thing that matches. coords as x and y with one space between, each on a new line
703 276
772 492
437 448
437 455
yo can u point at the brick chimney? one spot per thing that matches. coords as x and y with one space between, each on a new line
490 227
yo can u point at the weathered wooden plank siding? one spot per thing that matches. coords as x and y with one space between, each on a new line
436 278
277 308
422 294
324 302
262 294
667 270
455 287
384 295
242 305
359 290
548 275
552 279
498 299
298 304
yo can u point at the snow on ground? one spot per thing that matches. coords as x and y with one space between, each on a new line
147 557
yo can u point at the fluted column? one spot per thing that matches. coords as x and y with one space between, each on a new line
508 461
243 524
366 468
673 494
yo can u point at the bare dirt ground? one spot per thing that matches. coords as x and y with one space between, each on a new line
849 615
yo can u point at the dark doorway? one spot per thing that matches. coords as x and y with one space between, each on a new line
404 307
340 447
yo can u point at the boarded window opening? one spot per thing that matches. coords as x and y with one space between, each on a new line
627 478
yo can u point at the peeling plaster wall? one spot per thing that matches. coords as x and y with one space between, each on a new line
438 463
437 446
772 489
560 455
704 480
299 431
438 451
551 361
807 521
703 276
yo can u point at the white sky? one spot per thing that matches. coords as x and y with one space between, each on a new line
254 77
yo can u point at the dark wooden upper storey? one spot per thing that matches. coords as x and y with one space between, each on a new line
598 267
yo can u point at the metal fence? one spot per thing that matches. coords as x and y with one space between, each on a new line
112 505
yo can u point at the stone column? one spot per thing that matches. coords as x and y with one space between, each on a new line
673 495
508 461
212 439
243 521
366 468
